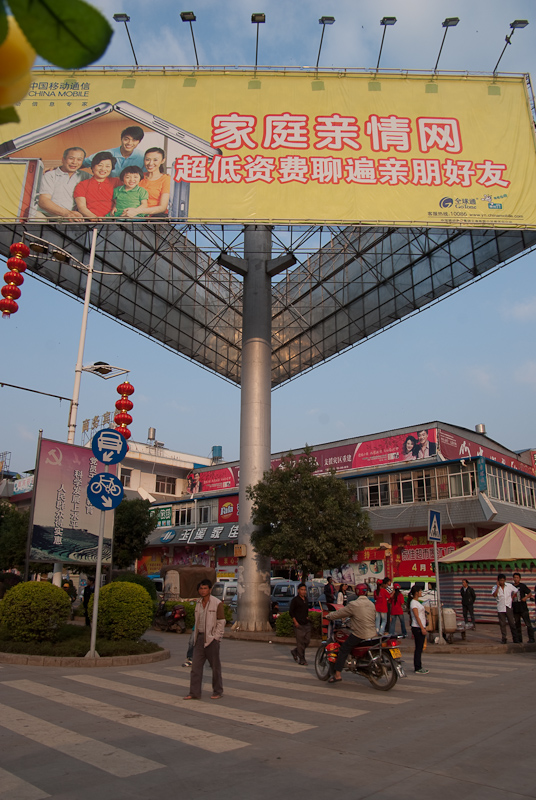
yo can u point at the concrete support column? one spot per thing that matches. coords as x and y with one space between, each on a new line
255 421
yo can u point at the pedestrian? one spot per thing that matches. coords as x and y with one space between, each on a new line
299 612
382 598
362 624
417 618
329 591
468 601
273 614
520 608
190 650
397 611
503 594
208 633
342 595
89 589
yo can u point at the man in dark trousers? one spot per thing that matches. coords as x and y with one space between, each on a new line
468 601
520 609
329 591
89 589
299 612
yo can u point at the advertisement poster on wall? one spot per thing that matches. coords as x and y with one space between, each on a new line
228 509
414 559
284 146
65 524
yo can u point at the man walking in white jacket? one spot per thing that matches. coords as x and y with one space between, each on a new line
209 628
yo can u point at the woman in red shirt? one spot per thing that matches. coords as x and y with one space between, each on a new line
382 599
95 198
397 611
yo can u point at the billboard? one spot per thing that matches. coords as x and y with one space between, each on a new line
453 446
65 524
415 559
280 146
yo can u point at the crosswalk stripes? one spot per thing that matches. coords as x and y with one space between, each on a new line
472 662
12 787
468 673
365 691
213 743
311 685
213 710
104 756
287 702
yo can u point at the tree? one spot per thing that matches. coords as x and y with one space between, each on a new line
134 521
315 520
13 535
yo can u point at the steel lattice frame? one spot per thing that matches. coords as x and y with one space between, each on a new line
350 283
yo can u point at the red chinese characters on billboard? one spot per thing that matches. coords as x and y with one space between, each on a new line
413 555
452 446
392 449
228 509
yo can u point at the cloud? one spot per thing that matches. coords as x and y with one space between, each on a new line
481 377
526 374
525 311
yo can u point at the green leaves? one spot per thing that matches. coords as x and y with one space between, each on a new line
69 33
3 23
8 115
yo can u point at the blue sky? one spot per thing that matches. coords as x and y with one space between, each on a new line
468 360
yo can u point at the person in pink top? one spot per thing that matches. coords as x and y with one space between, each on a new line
382 607
397 611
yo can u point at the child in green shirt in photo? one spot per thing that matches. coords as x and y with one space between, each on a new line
130 194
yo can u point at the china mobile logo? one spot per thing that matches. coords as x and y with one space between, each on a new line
227 509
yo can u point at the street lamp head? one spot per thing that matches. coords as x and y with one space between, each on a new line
388 21
102 368
121 18
188 16
519 23
35 247
450 22
59 255
258 18
326 20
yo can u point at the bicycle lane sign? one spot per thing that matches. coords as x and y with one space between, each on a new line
105 491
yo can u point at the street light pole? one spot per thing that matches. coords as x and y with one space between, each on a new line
73 411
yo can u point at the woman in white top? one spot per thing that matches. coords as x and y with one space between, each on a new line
417 618
342 596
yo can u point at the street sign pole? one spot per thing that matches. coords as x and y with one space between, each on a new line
434 535
439 615
92 653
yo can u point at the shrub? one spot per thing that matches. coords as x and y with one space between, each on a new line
125 611
141 580
190 612
33 611
74 641
285 627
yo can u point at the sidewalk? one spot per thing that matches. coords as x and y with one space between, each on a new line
486 639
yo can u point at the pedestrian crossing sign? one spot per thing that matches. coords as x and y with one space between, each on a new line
434 526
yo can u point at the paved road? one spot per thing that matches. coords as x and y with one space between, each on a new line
466 729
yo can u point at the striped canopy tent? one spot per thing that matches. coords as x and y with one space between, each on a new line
508 543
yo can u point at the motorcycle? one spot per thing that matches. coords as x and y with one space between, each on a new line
379 660
173 620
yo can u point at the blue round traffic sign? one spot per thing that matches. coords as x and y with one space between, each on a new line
105 491
109 446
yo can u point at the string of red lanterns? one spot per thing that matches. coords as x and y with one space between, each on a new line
11 292
122 419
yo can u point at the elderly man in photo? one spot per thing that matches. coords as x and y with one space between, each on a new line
209 628
57 186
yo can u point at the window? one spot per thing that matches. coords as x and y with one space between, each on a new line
203 515
183 516
165 484
125 477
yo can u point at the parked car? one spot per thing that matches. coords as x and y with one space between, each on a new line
224 591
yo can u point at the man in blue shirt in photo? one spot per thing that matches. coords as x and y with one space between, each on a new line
126 155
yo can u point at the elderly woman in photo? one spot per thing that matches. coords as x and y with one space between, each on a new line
94 197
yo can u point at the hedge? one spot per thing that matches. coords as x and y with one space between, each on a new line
34 611
125 611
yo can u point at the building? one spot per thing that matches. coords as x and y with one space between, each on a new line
476 483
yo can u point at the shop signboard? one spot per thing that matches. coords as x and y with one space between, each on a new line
65 523
163 517
228 509
338 147
453 446
415 559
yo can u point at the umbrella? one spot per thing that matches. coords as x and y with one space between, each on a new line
510 542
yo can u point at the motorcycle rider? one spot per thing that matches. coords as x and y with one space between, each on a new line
362 615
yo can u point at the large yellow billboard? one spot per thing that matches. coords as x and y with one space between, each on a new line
275 147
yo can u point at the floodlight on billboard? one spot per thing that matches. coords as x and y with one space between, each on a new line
410 150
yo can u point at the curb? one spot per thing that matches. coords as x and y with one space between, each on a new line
107 661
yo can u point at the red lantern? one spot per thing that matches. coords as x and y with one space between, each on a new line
16 263
125 388
8 306
19 249
11 291
13 278
123 405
